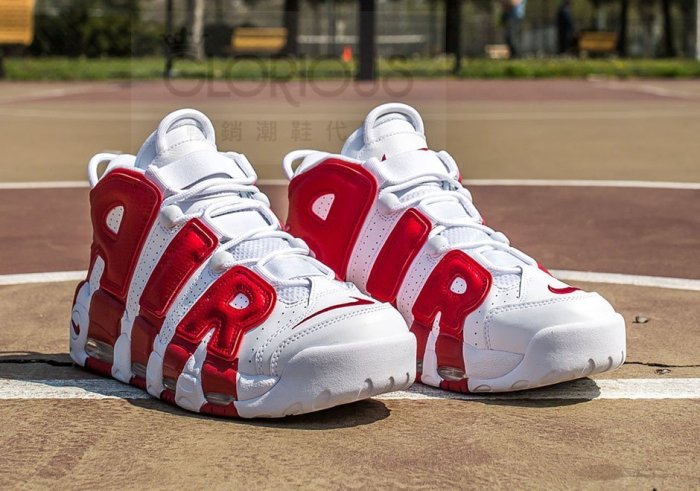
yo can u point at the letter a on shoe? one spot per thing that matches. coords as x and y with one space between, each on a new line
195 293
391 216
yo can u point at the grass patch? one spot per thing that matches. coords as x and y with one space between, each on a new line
574 68
68 69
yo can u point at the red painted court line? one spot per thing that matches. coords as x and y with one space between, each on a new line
650 232
618 230
44 230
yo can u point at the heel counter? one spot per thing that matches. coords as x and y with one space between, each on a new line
328 206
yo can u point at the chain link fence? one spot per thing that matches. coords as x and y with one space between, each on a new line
329 27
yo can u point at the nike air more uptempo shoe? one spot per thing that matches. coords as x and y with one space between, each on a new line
392 217
197 295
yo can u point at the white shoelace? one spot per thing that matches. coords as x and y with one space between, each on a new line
243 195
441 188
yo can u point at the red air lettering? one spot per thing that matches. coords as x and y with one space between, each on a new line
437 296
333 238
140 200
184 255
397 254
214 310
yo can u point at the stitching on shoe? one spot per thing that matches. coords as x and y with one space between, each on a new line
312 329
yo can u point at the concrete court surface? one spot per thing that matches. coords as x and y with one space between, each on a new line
494 129
603 130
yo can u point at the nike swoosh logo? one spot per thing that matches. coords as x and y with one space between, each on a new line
563 291
358 301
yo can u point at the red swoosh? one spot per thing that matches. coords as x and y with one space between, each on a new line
358 301
563 291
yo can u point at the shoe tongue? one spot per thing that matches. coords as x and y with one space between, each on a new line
182 153
393 133
183 137
388 130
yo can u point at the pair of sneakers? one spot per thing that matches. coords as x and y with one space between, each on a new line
385 274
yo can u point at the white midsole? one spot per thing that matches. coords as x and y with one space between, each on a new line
554 354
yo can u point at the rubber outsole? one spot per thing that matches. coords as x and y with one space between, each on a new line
325 376
553 355
562 353
316 378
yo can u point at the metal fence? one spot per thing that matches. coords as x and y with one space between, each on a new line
404 27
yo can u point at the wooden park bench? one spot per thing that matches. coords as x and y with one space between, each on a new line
597 42
16 25
497 51
16 22
258 40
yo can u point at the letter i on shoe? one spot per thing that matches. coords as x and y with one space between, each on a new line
391 216
195 293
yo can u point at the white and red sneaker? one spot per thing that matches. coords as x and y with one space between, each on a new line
197 295
392 217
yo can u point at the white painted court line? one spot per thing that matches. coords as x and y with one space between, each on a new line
628 279
676 388
648 88
468 182
68 389
673 388
44 185
57 93
29 278
562 274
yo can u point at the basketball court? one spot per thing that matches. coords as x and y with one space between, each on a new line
599 180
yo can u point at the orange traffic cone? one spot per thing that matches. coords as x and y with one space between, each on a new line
347 54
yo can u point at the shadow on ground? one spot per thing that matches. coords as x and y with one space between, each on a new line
58 370
346 416
577 391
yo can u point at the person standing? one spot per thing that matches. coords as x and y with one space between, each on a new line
512 17
565 27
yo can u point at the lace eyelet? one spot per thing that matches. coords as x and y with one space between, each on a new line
438 244
221 261
170 216
389 203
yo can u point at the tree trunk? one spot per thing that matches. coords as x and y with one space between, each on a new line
457 38
195 29
367 67
595 13
451 26
624 16
432 28
291 23
669 48
687 11
169 41
696 11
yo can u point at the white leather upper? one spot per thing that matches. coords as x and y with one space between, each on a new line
180 156
391 145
